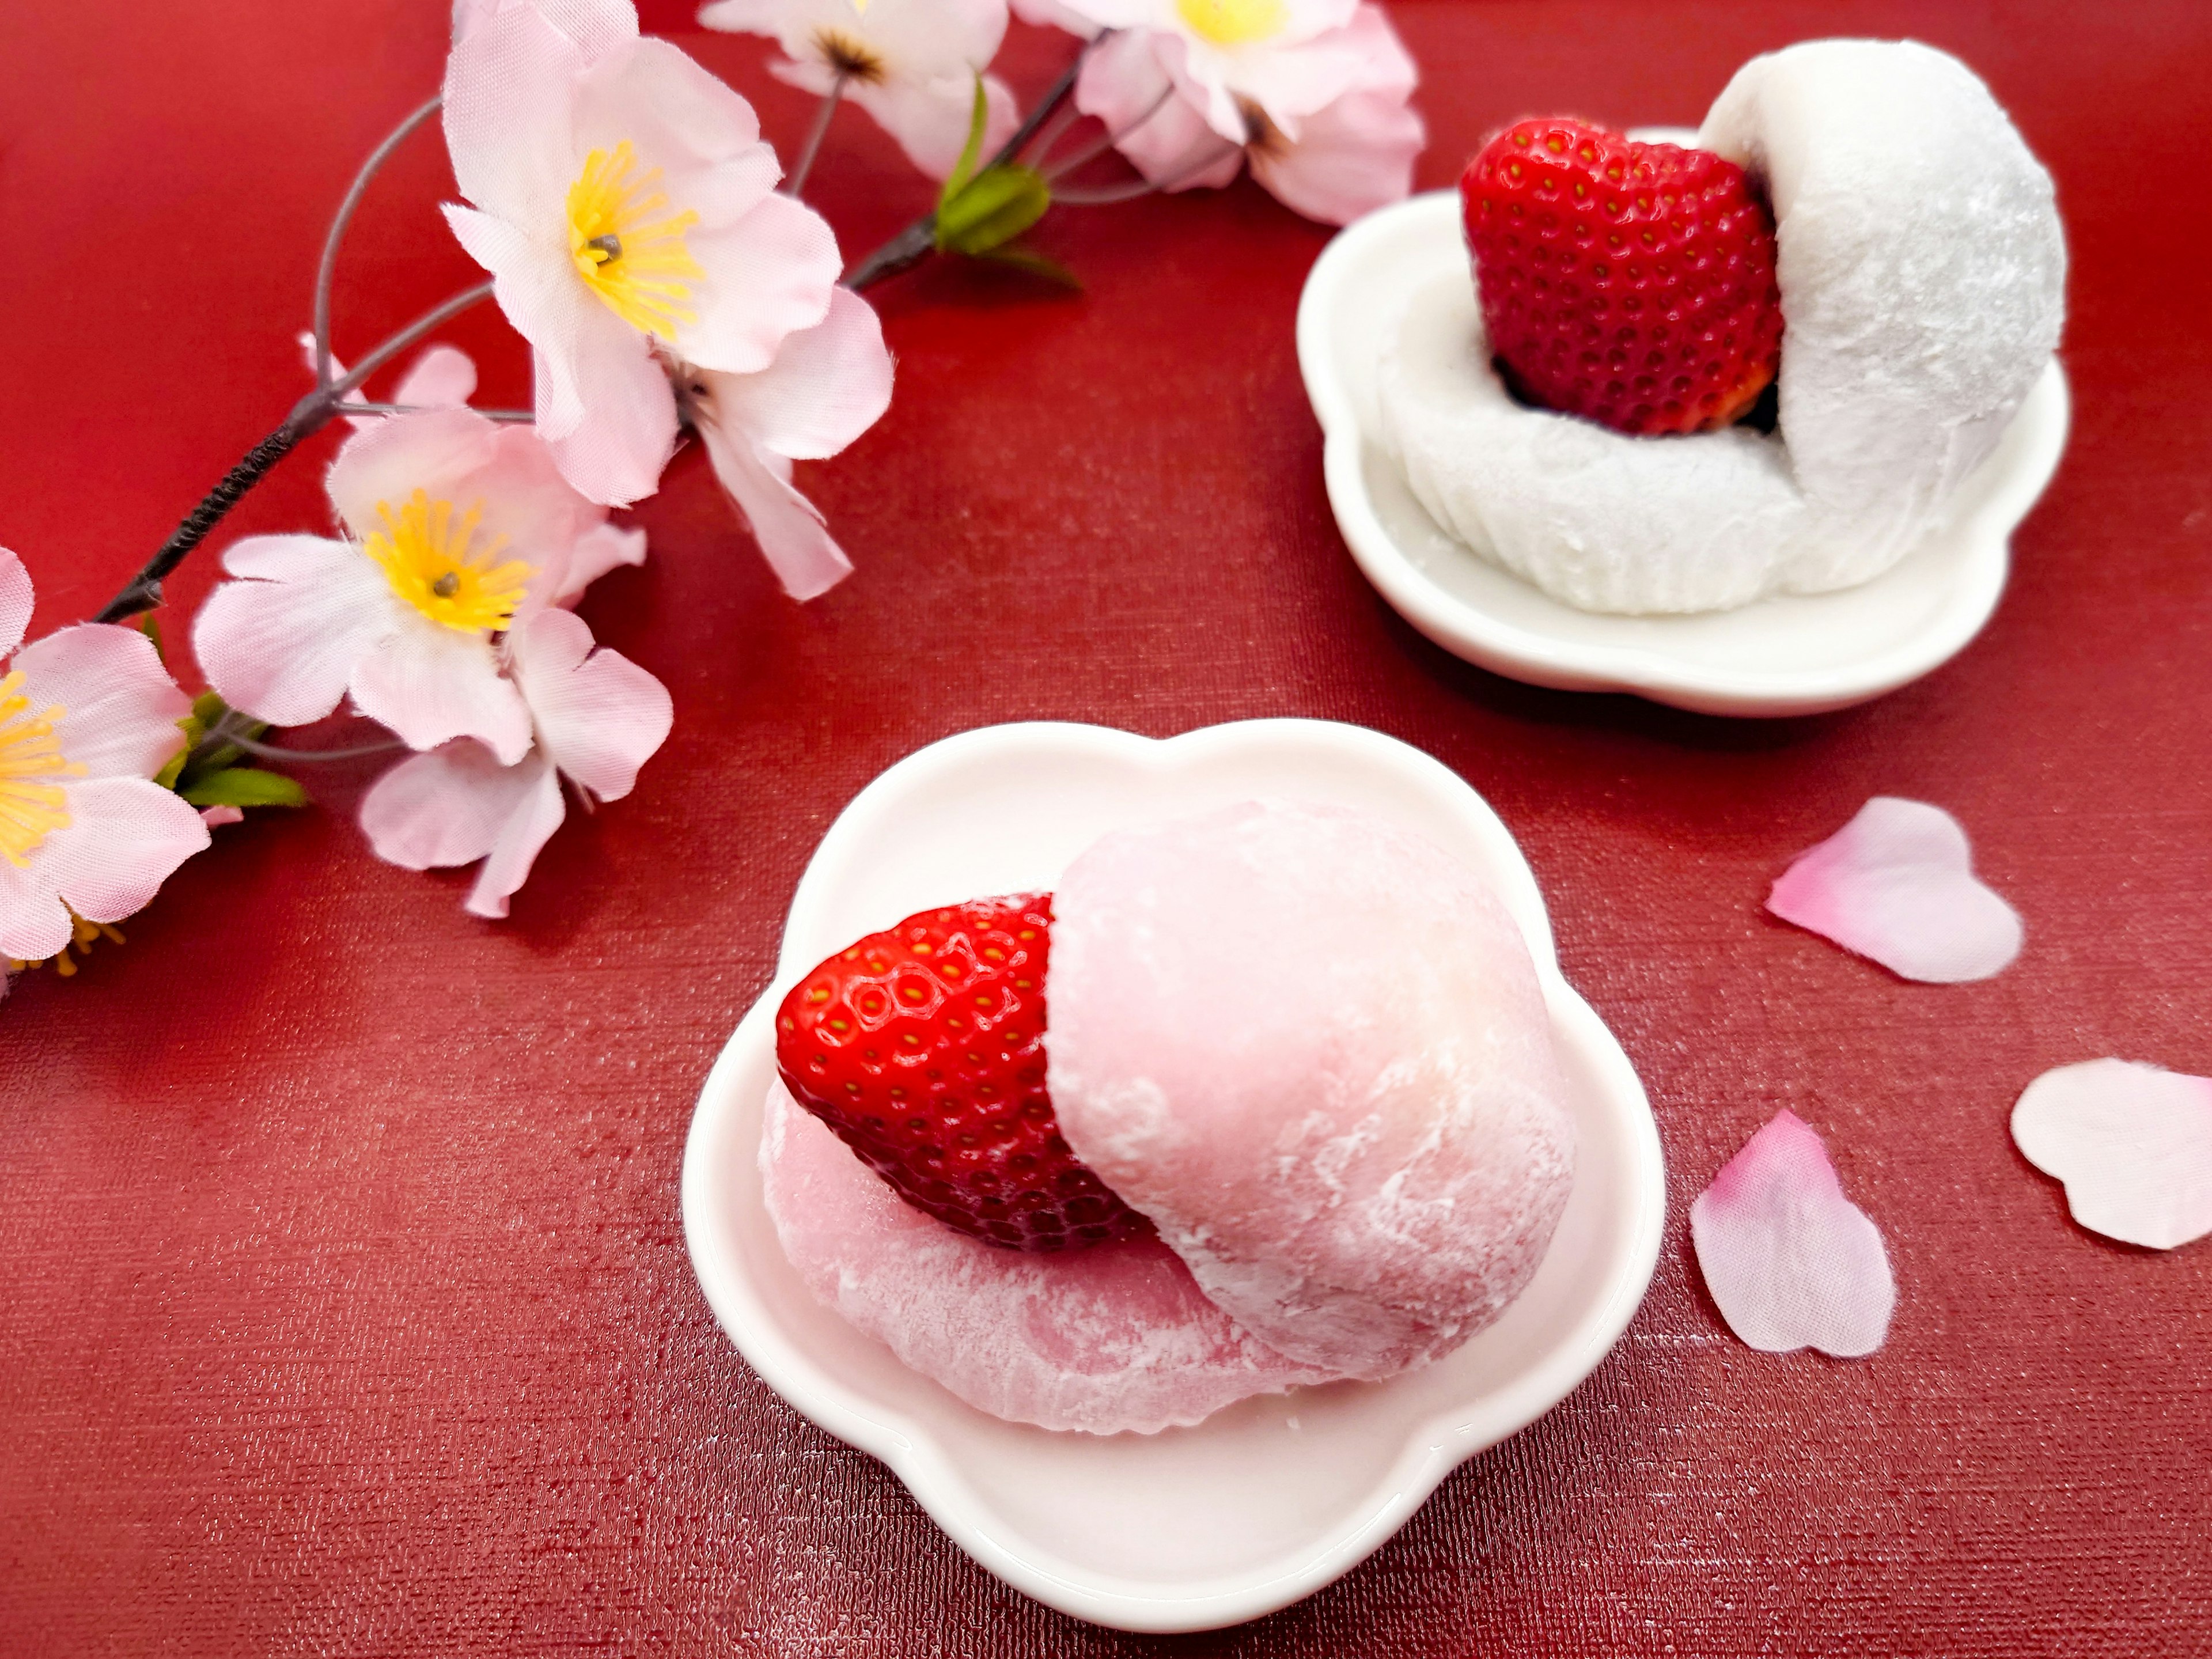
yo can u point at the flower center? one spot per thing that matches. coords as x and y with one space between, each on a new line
628 246
1234 22
427 558
847 55
32 806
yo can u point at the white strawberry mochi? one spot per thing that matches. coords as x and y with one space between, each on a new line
1113 1339
1312 1048
1922 271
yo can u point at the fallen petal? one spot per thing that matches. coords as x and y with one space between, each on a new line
2133 1143
1897 884
1792 1262
14 601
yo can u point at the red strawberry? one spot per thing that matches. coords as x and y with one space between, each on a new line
923 1048
1629 283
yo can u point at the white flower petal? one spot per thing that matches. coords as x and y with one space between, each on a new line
34 924
16 601
599 715
828 385
1897 884
548 306
444 376
596 25
431 683
508 866
122 708
282 644
2132 1143
788 526
458 804
1790 1261
769 274
510 91
125 836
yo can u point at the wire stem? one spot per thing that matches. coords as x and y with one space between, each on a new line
327 269
1092 152
814 135
271 752
1129 192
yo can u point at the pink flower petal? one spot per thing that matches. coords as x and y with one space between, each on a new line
282 644
443 376
16 601
458 804
2132 1143
1792 1262
126 836
215 817
598 550
1357 154
1123 83
702 135
596 25
509 117
928 119
34 924
456 455
599 715
615 453
788 526
769 274
828 385
1897 884
431 683
121 707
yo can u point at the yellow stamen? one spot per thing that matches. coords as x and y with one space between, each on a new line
1234 22
428 559
82 935
32 808
635 263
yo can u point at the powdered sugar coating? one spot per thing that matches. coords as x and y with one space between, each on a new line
1312 1048
1110 1338
1922 268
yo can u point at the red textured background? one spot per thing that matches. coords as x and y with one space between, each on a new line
347 1310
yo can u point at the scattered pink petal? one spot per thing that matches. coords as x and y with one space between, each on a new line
2133 1143
1792 1262
1897 884
215 817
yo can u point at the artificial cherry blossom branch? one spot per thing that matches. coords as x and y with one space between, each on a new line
797 182
919 239
326 270
1206 159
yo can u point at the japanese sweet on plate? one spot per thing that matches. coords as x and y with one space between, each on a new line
1255 1098
1684 380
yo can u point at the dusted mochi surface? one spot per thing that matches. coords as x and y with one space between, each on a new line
1110 1338
1312 1048
1922 268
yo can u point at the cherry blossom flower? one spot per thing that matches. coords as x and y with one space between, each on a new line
456 529
597 717
1313 95
911 65
828 385
621 196
88 716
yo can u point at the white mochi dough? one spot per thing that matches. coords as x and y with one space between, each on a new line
1312 1049
1922 268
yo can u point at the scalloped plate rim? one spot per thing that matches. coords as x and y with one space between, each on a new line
1519 653
1431 1449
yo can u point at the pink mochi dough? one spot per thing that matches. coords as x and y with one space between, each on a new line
1312 1049
1115 1338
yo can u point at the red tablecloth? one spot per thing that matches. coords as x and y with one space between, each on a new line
347 1309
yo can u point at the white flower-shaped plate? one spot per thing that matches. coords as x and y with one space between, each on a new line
1797 654
1266 1502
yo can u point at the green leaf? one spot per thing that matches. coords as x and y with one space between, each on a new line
996 206
208 709
965 168
1023 259
245 785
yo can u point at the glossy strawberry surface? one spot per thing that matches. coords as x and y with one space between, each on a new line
1629 283
923 1048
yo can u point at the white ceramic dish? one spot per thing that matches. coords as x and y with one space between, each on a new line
1268 1501
1794 655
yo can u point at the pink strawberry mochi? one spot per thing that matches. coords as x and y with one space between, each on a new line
1114 1338
1312 1048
